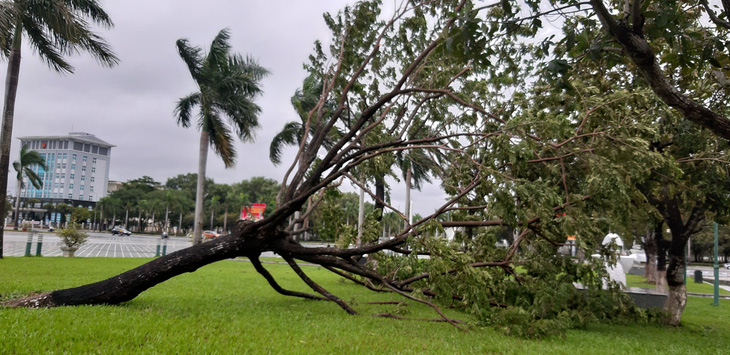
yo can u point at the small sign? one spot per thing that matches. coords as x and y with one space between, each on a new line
254 212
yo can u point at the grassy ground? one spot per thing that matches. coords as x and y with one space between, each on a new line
228 308
640 281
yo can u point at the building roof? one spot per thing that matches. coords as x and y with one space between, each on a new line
75 136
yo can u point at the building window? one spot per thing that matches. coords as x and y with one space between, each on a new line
84 159
61 186
83 168
73 166
93 161
90 199
91 188
70 186
70 195
81 187
83 177
73 176
92 179
73 156
93 169
81 197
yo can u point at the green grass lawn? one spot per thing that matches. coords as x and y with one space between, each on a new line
640 281
227 307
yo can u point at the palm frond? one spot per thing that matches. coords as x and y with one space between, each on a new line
57 28
100 50
7 26
191 56
34 179
29 158
184 107
18 170
46 49
289 135
92 10
218 52
221 139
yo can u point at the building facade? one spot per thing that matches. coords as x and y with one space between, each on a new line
78 168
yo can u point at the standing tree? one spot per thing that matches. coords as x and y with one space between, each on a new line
228 85
54 29
29 159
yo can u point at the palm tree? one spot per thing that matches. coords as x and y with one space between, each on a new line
110 204
415 165
23 167
54 29
228 85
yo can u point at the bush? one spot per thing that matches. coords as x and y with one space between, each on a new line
72 237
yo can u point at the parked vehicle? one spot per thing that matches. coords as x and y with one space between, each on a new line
211 234
727 266
120 231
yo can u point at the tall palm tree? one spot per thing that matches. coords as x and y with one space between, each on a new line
228 85
23 167
54 28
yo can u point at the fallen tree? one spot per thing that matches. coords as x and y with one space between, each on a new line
419 81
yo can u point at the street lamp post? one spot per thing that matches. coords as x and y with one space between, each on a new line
716 297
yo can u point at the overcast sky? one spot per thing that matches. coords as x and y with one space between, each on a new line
131 105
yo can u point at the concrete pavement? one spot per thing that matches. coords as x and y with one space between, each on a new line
98 245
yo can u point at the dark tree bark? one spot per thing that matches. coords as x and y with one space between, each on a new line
651 251
11 90
639 51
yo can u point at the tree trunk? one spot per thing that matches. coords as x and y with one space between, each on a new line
661 263
6 134
153 222
200 189
17 205
139 220
167 219
408 199
179 224
225 220
126 218
677 298
360 217
128 285
380 196
211 218
650 249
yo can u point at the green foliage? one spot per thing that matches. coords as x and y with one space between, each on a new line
71 236
80 215
372 229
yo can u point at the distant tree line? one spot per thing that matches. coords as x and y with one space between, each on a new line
145 205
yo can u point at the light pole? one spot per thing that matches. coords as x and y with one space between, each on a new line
716 297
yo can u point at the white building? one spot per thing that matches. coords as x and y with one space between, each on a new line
78 168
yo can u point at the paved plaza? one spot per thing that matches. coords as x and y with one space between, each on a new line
98 245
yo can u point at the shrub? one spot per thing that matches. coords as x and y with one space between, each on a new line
72 237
